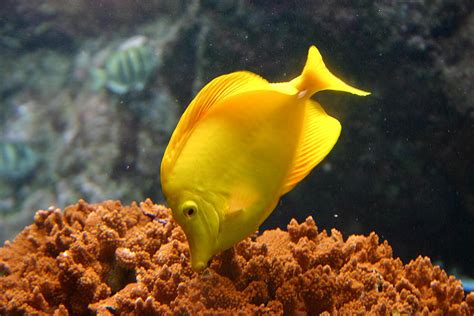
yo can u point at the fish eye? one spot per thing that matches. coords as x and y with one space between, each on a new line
189 212
189 209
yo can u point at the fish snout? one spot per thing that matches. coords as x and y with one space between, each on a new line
199 266
200 258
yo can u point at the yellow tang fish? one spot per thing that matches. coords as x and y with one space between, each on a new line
240 145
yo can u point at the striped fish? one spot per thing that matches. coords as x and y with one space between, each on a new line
128 69
17 160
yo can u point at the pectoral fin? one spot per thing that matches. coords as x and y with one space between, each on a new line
319 135
241 199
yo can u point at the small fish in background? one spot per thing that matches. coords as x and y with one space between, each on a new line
128 69
240 145
17 160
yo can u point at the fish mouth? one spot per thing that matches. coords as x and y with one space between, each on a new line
201 246
201 254
199 266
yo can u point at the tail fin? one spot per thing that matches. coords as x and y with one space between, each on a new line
98 78
317 77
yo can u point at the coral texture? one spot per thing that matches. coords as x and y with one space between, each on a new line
112 259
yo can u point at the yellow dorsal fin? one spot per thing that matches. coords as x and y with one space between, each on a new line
316 77
218 89
213 93
319 135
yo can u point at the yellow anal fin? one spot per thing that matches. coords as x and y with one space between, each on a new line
213 93
319 135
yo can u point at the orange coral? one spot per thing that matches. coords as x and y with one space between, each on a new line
114 259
